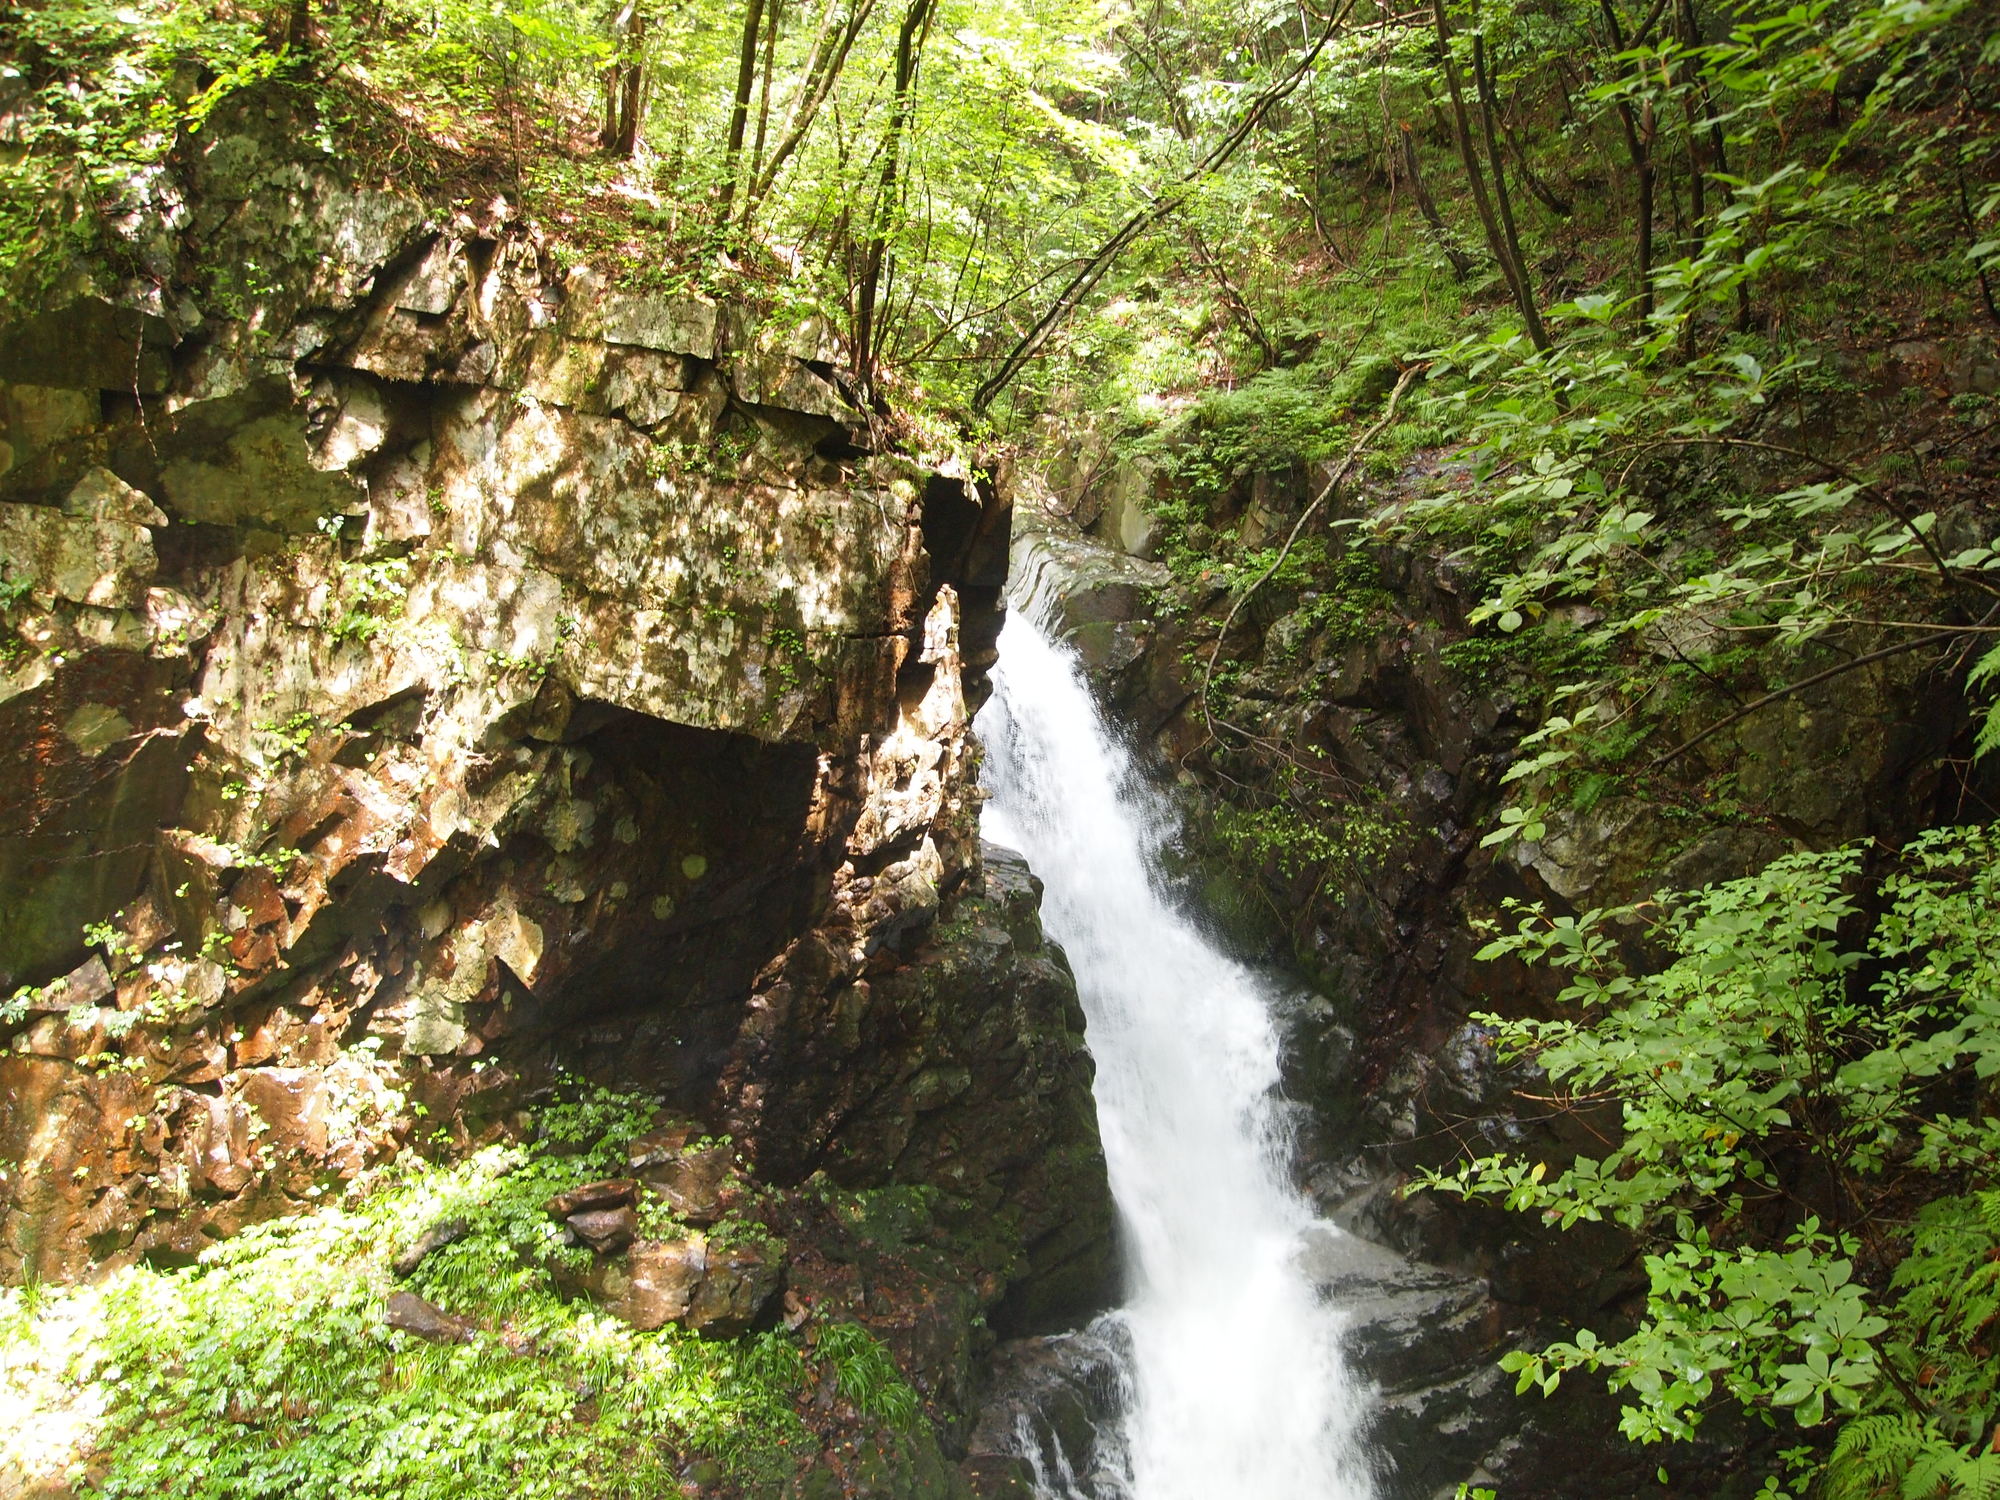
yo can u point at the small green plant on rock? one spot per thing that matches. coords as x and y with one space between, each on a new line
372 595
867 1376
1340 840
788 656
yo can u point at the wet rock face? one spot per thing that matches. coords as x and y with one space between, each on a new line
1056 1397
432 668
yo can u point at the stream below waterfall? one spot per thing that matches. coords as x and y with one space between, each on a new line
1231 1379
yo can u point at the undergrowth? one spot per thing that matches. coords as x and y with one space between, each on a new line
268 1369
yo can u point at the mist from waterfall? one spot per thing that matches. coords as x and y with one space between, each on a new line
1234 1384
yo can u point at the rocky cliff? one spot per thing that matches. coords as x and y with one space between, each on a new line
433 672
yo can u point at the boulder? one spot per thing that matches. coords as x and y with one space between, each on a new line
444 1232
80 559
292 1104
657 1282
671 325
605 1230
102 496
409 1313
221 1140
1048 1399
740 1280
660 1144
612 1192
694 1183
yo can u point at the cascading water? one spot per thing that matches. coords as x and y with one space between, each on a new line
1234 1383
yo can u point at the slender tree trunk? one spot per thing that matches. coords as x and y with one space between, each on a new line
739 109
1971 223
909 54
633 95
1087 275
1461 263
821 74
825 34
764 95
1638 130
1142 53
1231 294
624 82
297 32
1691 112
1496 240
1503 200
1718 145
1560 206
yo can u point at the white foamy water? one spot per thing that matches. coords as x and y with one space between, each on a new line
1237 1389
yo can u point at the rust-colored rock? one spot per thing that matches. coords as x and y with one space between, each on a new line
411 1314
741 1279
656 1283
605 1230
694 1184
445 1232
292 1104
613 1192
222 1159
660 1144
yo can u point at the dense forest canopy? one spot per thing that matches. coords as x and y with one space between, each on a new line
1615 258
1154 197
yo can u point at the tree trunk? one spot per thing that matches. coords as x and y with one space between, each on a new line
1560 206
821 73
739 109
624 83
1086 276
1461 263
909 54
764 97
1503 200
1496 239
1638 145
1718 145
1232 296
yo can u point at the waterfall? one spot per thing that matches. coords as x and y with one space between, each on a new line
1235 1386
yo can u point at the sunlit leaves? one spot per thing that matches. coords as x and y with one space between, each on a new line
268 1370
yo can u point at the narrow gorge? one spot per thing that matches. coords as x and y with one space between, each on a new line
1026 750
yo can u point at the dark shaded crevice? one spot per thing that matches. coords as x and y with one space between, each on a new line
721 863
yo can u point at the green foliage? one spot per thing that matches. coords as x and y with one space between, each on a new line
1947 1297
110 89
1281 418
370 597
1984 672
1773 1062
291 736
867 1376
267 1370
1339 842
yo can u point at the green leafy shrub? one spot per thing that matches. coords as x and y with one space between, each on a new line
1779 1069
110 97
